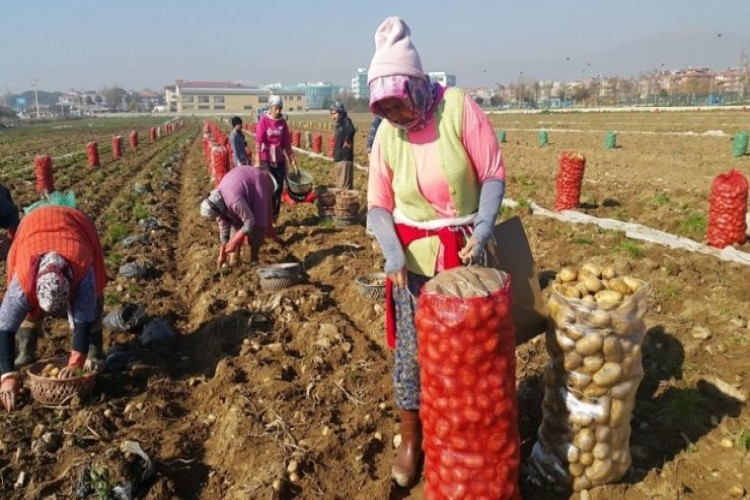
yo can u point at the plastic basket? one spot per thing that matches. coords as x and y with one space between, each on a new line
372 286
283 270
300 183
57 393
275 284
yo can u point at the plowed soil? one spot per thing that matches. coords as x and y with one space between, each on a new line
287 394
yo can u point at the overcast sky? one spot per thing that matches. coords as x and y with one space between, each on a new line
88 44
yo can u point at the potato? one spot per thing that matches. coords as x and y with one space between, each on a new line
574 332
621 412
593 284
567 274
596 318
585 441
576 469
579 379
581 483
572 454
593 363
599 471
588 299
589 344
618 285
593 391
608 375
605 403
565 343
54 372
624 389
608 299
601 451
612 350
608 272
586 458
580 419
633 283
571 292
602 434
47 368
572 361
582 288
592 269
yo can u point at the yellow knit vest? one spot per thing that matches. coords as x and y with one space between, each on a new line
455 167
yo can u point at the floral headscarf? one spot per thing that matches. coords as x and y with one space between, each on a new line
418 94
53 283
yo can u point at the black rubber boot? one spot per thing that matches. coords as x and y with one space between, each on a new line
26 338
96 346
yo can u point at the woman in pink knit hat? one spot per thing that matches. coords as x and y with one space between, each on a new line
436 181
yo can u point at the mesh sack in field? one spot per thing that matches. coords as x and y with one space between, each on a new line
728 205
43 172
466 340
590 383
569 180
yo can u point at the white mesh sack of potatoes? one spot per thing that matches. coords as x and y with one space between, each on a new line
594 343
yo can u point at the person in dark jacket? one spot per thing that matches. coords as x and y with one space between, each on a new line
238 143
343 149
8 220
374 124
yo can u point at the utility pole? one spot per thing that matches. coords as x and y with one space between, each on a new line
36 96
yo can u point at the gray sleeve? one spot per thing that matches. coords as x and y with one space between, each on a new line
14 308
490 198
243 212
84 301
381 224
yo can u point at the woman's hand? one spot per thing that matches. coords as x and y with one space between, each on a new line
9 390
398 278
222 256
470 252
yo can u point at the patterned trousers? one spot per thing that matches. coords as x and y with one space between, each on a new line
406 365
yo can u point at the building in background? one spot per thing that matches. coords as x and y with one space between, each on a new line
318 95
229 98
443 78
360 89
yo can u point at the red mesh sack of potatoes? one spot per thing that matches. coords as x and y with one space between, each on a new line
117 147
219 163
92 154
466 340
569 180
43 173
726 215
133 139
152 134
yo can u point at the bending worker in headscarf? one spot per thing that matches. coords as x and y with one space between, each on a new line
55 266
241 203
343 147
436 181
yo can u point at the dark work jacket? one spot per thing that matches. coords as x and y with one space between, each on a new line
344 132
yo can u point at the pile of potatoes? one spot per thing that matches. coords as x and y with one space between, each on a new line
595 367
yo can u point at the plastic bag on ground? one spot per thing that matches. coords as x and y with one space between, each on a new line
157 332
127 318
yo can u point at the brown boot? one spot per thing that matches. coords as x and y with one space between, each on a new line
409 454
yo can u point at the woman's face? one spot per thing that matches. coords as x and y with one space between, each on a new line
395 111
275 111
334 115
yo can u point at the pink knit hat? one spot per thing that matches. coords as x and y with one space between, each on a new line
394 52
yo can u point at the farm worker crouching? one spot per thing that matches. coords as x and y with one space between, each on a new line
241 204
436 181
55 266
343 146
273 140
238 143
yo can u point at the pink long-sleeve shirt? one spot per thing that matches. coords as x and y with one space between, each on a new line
478 140
273 139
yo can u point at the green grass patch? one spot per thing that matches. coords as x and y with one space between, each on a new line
583 241
141 212
684 407
672 291
630 248
113 259
113 298
694 226
329 224
662 199
115 233
524 204
743 441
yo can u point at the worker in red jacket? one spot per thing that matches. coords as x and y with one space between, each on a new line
55 266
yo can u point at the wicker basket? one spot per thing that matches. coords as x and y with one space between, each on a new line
275 284
372 286
57 393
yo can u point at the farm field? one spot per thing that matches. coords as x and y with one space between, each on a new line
288 394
